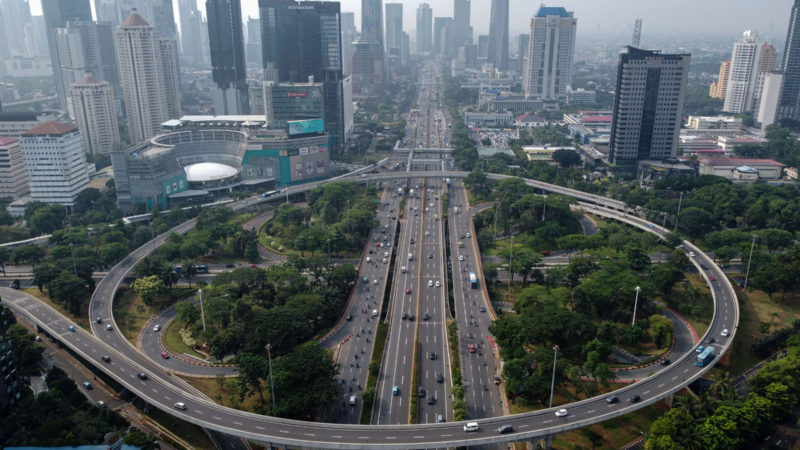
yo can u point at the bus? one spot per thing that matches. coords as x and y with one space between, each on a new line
473 280
270 193
201 268
705 357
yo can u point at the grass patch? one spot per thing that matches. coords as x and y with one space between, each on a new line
190 433
172 338
82 320
225 391
412 410
131 313
614 433
372 379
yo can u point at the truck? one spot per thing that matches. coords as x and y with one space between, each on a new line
473 280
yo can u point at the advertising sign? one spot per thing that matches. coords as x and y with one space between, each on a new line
297 127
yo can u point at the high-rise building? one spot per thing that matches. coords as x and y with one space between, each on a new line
789 104
107 11
650 91
55 163
87 46
483 46
394 27
149 75
12 380
228 68
302 39
548 73
498 34
284 102
56 14
461 22
637 33
743 74
13 178
424 28
94 112
770 96
522 46
367 69
195 49
349 36
372 20
16 16
719 87
190 42
252 46
769 58
439 34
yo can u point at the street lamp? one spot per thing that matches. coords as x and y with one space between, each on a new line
72 253
510 260
747 276
202 312
680 201
553 380
635 303
271 382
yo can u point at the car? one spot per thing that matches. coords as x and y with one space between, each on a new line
352 400
432 355
712 277
385 254
165 355
650 225
99 320
421 392
431 399
105 358
461 236
87 385
724 333
710 340
438 284
430 283
699 349
378 244
408 290
395 390
703 266
472 348
507 428
411 317
349 317
634 398
375 282
430 255
460 257
157 328
482 308
142 375
101 404
365 280
412 240
72 328
471 427
181 406
665 362
439 377
469 235
230 265
404 316
109 327
439 418
385 261
388 244
426 316
561 413
612 399
38 339
692 254
427 233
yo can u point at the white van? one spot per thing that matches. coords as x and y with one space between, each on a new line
471 426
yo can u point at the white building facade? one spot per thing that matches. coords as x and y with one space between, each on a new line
743 74
13 179
547 72
93 108
55 163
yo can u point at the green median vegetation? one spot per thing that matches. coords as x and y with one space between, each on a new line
458 404
374 369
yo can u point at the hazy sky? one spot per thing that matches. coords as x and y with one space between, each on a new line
700 17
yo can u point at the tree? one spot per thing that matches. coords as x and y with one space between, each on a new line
566 158
27 253
189 271
252 369
661 330
306 381
43 274
5 255
188 312
603 373
112 252
148 287
68 289
696 221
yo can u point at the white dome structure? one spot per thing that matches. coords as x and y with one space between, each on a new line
209 172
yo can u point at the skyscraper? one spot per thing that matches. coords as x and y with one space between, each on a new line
550 54
228 68
302 39
650 91
56 14
16 16
349 35
743 74
252 47
439 34
372 20
368 56
190 43
394 27
498 34
149 77
522 46
789 104
719 87
461 19
424 28
13 179
94 112
483 46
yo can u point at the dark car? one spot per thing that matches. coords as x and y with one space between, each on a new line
634 398
612 399
710 340
666 362
432 355
105 358
404 316
421 391
230 266
431 399
507 428
411 317
425 316
439 377
142 375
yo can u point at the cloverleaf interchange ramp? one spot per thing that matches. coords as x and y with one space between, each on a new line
163 389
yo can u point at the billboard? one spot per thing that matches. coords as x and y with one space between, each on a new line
298 127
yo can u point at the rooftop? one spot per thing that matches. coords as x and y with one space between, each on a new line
741 162
529 117
135 20
545 11
7 141
209 171
49 128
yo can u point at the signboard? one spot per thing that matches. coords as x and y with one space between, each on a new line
297 127
296 94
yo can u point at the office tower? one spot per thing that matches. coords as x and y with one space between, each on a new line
789 105
12 380
650 91
394 27
548 73
483 46
252 48
462 29
190 42
719 87
228 68
769 58
194 49
770 98
637 33
16 16
302 39
498 34
424 28
51 145
284 102
56 14
347 110
522 46
372 20
40 31
368 56
256 88
405 48
442 35
94 112
107 11
349 36
87 46
13 178
743 74
149 77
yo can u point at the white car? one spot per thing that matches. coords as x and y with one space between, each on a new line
437 284
181 406
725 333
427 233
430 283
460 257
692 254
157 328
561 413
352 400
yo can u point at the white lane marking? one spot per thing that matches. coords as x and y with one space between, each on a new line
589 412
363 437
283 431
218 418
308 434
391 437
237 423
336 436
645 392
547 421
661 385
260 428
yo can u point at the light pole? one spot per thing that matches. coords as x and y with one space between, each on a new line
271 382
510 260
72 253
553 380
348 216
749 260
680 202
202 312
544 206
635 303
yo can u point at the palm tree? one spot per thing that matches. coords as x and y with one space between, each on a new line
685 402
722 388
